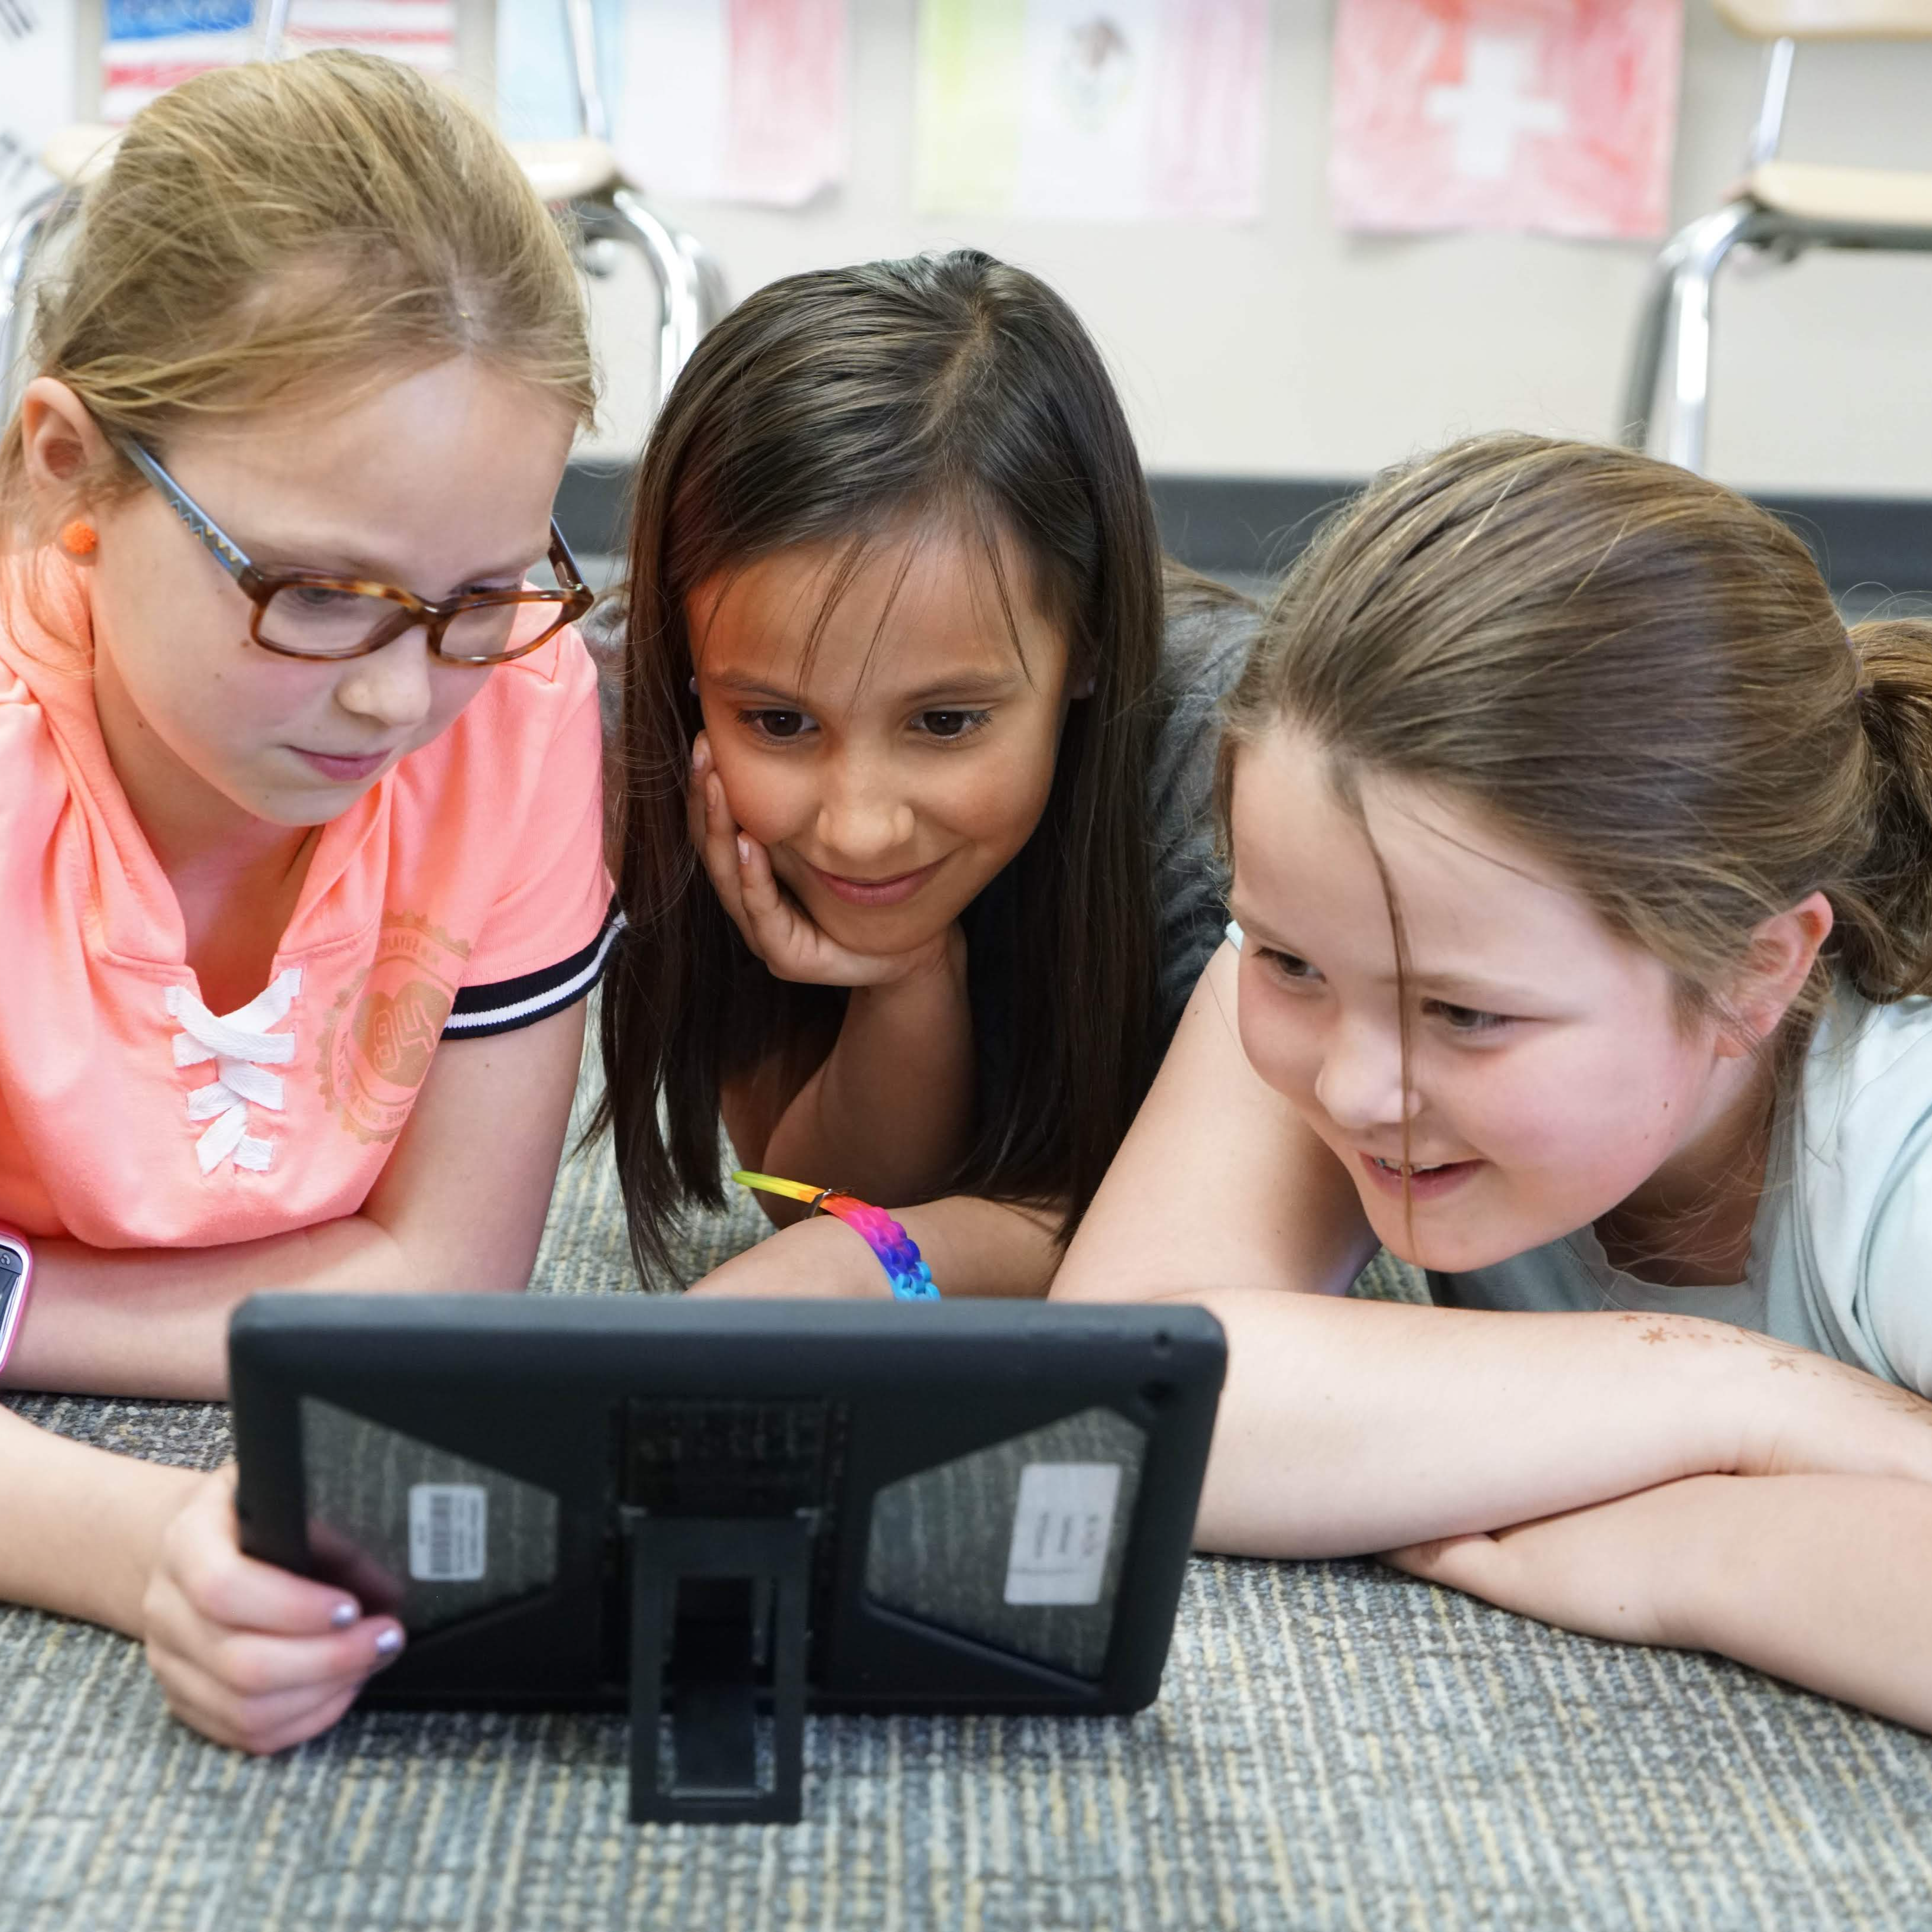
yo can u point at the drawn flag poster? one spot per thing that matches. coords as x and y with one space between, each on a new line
419 33
735 100
151 46
1555 115
1098 110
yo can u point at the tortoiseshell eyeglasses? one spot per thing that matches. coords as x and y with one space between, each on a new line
307 613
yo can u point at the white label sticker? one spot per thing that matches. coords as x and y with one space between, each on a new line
446 1532
1062 1526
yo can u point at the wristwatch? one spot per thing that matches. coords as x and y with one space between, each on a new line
16 1276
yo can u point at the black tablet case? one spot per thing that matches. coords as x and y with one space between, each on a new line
833 1496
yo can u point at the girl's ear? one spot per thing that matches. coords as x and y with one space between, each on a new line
61 442
1784 948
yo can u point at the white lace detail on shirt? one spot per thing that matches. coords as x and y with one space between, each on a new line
242 1047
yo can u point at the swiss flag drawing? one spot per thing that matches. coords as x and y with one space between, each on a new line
1551 115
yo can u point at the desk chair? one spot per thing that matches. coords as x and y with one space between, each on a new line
581 173
1783 207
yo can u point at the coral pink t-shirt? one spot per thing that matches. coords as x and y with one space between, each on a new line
463 894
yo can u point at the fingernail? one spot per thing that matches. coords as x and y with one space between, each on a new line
388 1642
700 758
744 851
343 1615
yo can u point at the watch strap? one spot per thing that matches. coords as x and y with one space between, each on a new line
16 1277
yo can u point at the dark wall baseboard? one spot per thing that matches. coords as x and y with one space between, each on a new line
592 507
1255 526
1244 526
1865 545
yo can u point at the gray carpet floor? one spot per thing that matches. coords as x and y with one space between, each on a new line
1335 1746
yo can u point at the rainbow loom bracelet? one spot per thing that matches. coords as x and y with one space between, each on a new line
897 1251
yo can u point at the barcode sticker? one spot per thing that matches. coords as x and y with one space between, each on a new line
447 1544
1062 1524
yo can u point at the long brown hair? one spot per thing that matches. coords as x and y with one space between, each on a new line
837 406
295 228
1641 676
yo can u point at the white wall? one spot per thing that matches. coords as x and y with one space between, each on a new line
1287 348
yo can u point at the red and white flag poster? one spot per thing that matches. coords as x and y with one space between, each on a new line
1555 115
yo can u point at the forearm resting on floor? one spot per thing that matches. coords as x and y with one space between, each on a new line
1820 1580
973 1246
154 1322
1348 1426
1823 1580
79 1528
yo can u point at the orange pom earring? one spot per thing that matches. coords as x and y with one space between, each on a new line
79 538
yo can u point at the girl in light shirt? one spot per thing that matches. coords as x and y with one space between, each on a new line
1582 883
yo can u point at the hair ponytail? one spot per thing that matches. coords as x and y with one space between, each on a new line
1883 942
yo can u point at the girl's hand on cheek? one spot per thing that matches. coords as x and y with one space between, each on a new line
775 927
249 1654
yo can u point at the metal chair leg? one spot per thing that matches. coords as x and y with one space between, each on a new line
1674 331
714 298
1706 242
690 288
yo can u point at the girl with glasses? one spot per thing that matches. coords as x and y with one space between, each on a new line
299 804
912 773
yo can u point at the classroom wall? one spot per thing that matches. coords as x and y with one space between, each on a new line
1285 348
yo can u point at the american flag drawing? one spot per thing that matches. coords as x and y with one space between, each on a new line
154 45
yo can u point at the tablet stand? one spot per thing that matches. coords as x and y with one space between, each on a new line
717 1604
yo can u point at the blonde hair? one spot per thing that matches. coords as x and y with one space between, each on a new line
270 231
1639 675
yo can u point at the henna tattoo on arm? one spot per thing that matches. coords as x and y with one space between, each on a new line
1780 1356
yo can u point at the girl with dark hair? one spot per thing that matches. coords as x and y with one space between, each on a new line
909 793
1583 867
